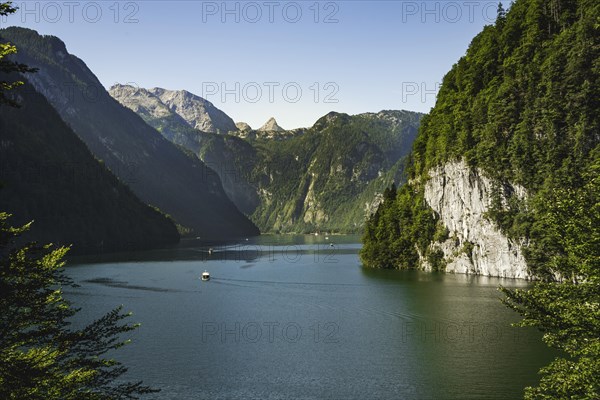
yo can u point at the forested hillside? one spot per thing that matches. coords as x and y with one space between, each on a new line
515 138
522 107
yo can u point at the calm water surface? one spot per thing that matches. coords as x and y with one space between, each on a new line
294 318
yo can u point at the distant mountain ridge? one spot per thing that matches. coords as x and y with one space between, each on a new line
199 113
157 171
195 111
328 177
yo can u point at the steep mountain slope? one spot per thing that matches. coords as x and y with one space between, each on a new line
157 171
504 167
225 155
49 176
328 177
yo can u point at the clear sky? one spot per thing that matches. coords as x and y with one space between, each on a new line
295 61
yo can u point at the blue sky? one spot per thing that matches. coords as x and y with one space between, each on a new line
294 61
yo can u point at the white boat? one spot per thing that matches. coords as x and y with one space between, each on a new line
205 276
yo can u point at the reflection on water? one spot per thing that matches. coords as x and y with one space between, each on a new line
288 247
288 317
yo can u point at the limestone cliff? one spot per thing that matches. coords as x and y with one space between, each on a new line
462 197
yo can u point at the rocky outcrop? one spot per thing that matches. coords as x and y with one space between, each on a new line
271 126
182 105
243 127
199 113
462 196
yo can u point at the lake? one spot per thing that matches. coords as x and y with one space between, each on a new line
292 317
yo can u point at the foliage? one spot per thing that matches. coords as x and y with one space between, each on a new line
400 230
569 316
569 226
40 356
523 106
568 313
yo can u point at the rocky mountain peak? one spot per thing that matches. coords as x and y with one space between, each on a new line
139 100
271 126
198 113
243 127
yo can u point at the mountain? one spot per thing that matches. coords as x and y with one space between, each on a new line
504 171
328 177
222 155
199 113
243 127
143 102
271 126
156 170
190 109
50 177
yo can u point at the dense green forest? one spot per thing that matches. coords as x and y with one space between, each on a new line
523 107
324 179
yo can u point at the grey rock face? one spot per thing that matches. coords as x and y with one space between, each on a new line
243 127
140 100
199 113
462 197
188 108
271 126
